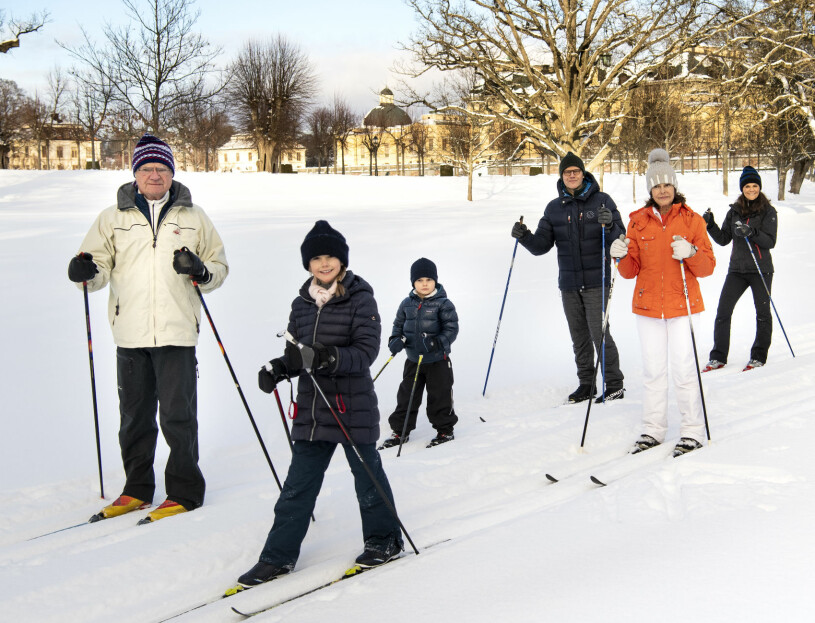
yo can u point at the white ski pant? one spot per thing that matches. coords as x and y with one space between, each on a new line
666 344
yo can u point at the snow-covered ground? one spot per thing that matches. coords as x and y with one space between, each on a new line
724 534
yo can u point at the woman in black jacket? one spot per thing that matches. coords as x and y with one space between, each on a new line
751 224
335 318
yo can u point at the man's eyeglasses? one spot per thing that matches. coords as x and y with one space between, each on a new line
572 172
151 170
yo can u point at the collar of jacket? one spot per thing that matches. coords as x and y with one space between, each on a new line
350 283
179 196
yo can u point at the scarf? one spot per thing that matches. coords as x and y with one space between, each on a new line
320 294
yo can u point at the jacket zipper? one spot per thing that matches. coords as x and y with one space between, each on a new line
316 391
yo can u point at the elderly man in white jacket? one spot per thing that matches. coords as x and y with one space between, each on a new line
152 247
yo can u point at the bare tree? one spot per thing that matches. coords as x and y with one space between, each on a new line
779 59
271 85
320 137
371 138
419 136
543 62
343 122
201 126
14 28
92 97
12 110
156 62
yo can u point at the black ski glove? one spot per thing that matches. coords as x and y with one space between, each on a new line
82 268
604 216
314 357
396 344
743 230
519 230
708 216
431 344
271 374
185 262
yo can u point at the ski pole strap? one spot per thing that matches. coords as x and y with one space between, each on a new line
292 403
340 404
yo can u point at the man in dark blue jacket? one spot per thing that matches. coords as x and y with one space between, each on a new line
574 222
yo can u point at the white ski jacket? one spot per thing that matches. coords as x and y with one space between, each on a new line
150 304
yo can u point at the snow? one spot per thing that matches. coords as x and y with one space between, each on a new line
723 534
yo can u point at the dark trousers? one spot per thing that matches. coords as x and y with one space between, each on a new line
584 315
292 513
438 378
162 379
734 286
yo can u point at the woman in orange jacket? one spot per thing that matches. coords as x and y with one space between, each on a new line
661 235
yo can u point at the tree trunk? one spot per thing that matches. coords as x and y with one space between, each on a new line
799 171
782 180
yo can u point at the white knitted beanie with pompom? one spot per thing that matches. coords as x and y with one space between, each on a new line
659 170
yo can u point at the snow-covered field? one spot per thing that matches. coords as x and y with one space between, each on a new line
724 534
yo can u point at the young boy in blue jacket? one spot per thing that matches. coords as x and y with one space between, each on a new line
426 324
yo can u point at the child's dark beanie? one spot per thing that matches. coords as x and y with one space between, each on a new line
324 240
423 267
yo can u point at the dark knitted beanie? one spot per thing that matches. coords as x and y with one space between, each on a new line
324 240
570 160
423 267
749 176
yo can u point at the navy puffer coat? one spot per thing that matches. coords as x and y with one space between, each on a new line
763 218
570 222
426 323
351 323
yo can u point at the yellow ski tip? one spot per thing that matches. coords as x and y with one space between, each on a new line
234 590
356 569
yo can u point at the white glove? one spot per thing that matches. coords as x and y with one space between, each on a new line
619 248
682 248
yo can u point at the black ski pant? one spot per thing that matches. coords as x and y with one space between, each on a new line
438 378
735 284
159 379
584 315
292 512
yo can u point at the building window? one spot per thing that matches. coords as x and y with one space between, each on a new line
59 151
430 143
26 152
298 156
250 156
43 151
237 156
74 152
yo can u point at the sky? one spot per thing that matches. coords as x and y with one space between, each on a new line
351 44
722 535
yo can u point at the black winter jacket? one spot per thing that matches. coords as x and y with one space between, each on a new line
351 323
571 223
765 224
429 325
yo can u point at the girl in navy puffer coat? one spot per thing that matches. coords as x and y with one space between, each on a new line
335 318
426 325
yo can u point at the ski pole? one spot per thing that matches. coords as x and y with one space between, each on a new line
749 246
602 342
289 337
500 315
286 427
693 339
382 368
410 404
603 312
93 389
237 385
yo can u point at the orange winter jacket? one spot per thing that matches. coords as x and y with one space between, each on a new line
658 292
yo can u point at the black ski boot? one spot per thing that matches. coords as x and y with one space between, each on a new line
583 392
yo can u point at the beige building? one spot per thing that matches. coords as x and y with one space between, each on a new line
241 155
63 146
